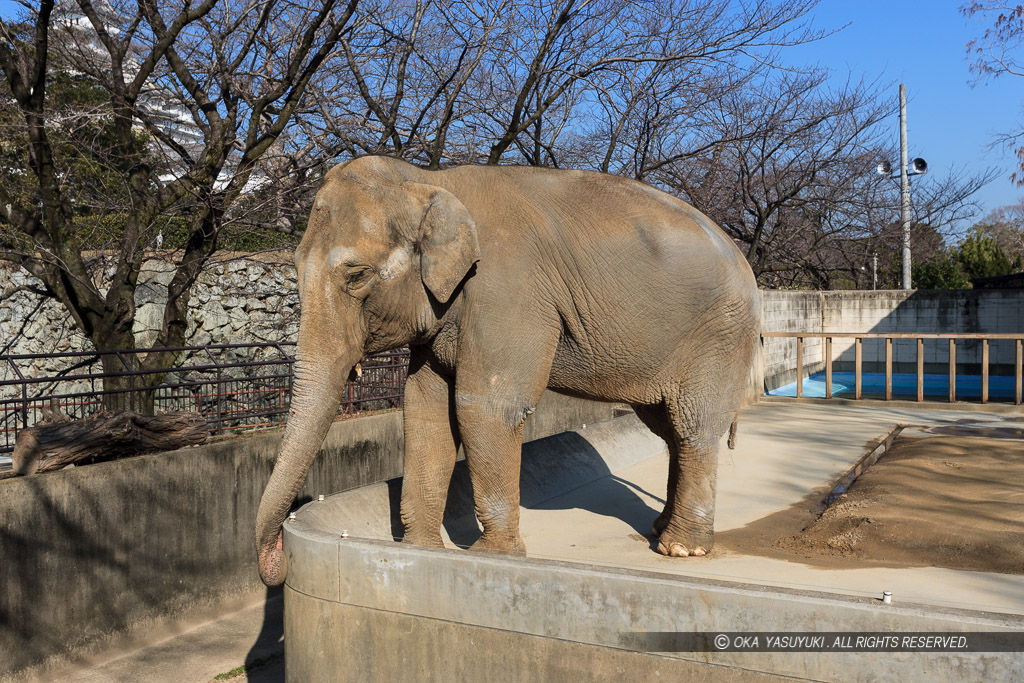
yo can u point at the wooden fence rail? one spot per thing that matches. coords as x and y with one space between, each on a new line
858 337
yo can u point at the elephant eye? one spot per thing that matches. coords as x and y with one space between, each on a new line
358 275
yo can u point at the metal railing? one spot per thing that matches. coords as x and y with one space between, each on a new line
951 338
236 387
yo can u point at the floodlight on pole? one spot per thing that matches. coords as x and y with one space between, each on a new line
917 166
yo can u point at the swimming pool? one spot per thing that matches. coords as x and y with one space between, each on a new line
903 384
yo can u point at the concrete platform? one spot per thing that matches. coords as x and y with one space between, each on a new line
784 453
589 498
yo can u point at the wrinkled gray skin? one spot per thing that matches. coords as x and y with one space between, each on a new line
504 281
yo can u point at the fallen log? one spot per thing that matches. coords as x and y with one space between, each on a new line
55 445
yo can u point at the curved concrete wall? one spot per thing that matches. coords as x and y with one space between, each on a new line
359 608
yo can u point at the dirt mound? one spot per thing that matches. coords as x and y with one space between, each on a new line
947 501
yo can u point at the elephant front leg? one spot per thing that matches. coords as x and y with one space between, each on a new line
493 398
493 439
504 362
431 445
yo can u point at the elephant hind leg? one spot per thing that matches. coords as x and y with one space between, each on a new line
656 418
686 526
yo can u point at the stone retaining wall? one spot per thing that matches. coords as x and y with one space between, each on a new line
235 300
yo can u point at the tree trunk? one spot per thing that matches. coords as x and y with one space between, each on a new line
105 437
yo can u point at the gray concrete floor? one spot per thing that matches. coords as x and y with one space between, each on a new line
785 451
251 637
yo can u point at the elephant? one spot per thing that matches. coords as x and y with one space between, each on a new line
504 281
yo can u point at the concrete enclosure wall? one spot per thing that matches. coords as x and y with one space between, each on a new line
97 556
980 310
452 615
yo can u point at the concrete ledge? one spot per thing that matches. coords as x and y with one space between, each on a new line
115 554
550 466
390 646
371 593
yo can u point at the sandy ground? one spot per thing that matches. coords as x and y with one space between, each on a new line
949 498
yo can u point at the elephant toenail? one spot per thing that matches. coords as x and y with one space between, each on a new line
698 552
679 550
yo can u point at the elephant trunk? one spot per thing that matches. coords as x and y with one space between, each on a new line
315 398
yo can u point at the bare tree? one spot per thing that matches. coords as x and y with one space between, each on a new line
410 68
1005 225
997 53
457 81
229 74
635 61
788 170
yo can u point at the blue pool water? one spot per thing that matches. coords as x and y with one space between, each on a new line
967 386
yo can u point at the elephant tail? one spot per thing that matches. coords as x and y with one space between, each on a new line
732 431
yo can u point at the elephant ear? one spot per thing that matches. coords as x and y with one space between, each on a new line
447 241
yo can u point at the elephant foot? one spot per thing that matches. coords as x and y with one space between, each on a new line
685 545
431 540
503 546
680 550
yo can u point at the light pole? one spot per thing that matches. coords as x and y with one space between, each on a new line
907 168
904 187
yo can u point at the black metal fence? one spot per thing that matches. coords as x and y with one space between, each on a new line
237 387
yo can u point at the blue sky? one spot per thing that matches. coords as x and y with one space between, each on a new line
921 43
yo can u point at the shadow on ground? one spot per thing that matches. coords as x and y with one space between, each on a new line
265 661
553 473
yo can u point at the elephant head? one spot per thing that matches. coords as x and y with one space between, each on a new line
381 260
